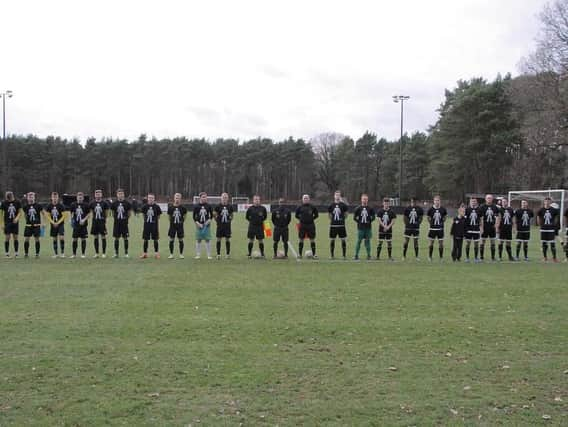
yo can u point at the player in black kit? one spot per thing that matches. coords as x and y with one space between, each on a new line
472 229
256 215
79 222
337 215
436 218
99 211
223 214
491 221
306 214
12 209
151 215
458 233
523 217
281 217
176 214
32 214
386 218
547 218
506 229
412 219
121 211
54 212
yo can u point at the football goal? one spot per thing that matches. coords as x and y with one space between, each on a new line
535 197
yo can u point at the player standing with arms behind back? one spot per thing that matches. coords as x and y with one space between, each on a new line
223 214
412 219
121 211
176 213
306 214
547 218
337 215
12 209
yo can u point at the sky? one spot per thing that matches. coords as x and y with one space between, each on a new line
246 69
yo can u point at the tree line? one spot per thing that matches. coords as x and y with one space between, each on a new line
490 136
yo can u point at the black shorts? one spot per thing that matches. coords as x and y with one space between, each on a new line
385 236
223 230
412 232
489 233
338 231
98 227
120 230
307 231
32 231
523 236
506 234
176 230
547 236
436 234
255 232
150 231
57 231
80 231
11 228
472 235
281 233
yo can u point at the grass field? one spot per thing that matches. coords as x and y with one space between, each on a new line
231 342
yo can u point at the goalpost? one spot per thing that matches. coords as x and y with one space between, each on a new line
535 198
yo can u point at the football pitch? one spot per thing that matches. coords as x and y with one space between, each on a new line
252 342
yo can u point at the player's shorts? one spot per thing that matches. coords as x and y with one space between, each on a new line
412 233
203 233
57 231
523 236
98 227
12 228
307 231
32 231
255 232
120 230
80 231
387 236
223 231
280 233
176 230
506 234
547 236
472 235
338 231
489 233
436 234
364 233
150 231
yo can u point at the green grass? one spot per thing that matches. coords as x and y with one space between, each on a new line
161 342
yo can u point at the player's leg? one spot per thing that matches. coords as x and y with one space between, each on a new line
261 245
441 247
96 243
430 247
467 248
7 244
285 239
416 247
198 247
37 242
275 242
389 247
367 235
481 245
500 249
250 246
62 245
405 246
181 242
476 249
55 247
380 245
301 237
218 247
332 236
360 236
492 243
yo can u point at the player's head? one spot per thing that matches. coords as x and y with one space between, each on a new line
306 199
504 202
547 201
412 202
436 201
120 194
225 198
177 198
54 197
461 210
337 196
386 202
473 202
80 197
256 200
524 204
281 201
9 196
364 199
31 197
98 194
489 199
151 198
203 197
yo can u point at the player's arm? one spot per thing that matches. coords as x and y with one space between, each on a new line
538 220
18 215
356 215
298 213
288 217
315 213
392 222
61 219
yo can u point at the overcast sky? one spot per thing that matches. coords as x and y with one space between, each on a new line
248 68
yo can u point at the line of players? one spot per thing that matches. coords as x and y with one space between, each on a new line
476 225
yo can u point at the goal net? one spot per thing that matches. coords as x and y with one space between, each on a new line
239 200
212 200
535 197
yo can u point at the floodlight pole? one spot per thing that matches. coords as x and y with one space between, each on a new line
4 95
401 99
